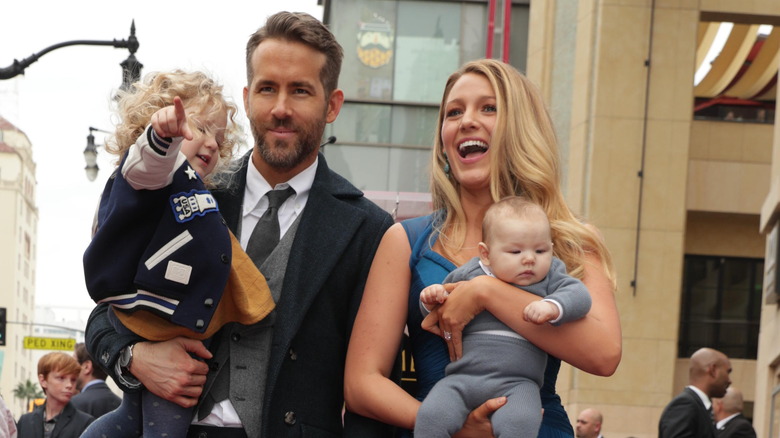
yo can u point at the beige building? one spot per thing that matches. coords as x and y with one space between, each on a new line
18 237
674 194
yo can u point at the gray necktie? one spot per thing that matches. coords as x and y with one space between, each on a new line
265 236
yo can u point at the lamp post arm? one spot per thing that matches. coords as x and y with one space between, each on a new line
91 129
18 67
62 327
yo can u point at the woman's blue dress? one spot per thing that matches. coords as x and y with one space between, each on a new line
430 351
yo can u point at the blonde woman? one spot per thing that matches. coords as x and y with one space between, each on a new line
494 139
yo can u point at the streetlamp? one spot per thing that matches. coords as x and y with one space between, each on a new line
131 68
90 154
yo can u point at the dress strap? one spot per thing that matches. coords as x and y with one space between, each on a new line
418 231
416 226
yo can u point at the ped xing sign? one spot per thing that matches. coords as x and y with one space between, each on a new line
33 343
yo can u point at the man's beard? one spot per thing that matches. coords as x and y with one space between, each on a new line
281 154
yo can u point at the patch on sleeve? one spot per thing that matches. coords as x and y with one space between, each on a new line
178 272
189 205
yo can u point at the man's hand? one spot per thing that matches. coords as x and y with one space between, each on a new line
478 422
171 121
169 371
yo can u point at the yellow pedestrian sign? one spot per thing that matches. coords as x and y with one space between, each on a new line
33 343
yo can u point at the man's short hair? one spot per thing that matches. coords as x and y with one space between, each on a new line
58 362
82 355
303 28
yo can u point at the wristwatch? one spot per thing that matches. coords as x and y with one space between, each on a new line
122 368
125 359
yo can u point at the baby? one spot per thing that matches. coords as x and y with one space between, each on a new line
517 248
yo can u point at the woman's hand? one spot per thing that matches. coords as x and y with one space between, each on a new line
448 320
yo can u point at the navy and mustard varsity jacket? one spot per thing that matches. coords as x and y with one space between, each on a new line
166 251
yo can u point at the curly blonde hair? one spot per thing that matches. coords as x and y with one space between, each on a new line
157 90
523 161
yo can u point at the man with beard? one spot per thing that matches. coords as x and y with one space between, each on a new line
284 375
690 413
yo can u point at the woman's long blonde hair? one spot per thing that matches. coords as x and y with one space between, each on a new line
523 161
196 90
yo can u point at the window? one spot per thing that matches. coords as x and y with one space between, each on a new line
398 55
721 305
739 85
404 50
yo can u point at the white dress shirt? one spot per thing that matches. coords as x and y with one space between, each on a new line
256 203
704 398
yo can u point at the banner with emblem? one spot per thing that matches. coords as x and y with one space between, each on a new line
375 42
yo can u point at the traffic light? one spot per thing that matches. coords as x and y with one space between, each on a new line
2 325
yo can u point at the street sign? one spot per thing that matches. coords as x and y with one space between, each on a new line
33 343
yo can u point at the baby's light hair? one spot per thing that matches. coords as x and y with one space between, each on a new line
511 207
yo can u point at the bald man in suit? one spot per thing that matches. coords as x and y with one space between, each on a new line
690 413
730 423
589 424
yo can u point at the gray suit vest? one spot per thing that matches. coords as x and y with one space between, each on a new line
243 352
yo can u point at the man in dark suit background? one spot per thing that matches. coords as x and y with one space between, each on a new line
283 376
95 398
728 415
690 413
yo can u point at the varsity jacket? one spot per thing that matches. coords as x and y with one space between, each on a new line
166 250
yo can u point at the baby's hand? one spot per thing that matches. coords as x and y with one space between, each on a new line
540 312
433 295
171 121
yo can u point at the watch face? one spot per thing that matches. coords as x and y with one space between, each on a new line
125 357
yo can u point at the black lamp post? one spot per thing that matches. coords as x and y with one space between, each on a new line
131 68
90 154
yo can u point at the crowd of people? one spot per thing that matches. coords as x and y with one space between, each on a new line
267 297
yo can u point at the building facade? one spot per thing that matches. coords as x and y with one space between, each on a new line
678 197
18 237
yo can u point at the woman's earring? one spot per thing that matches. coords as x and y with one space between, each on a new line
446 166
